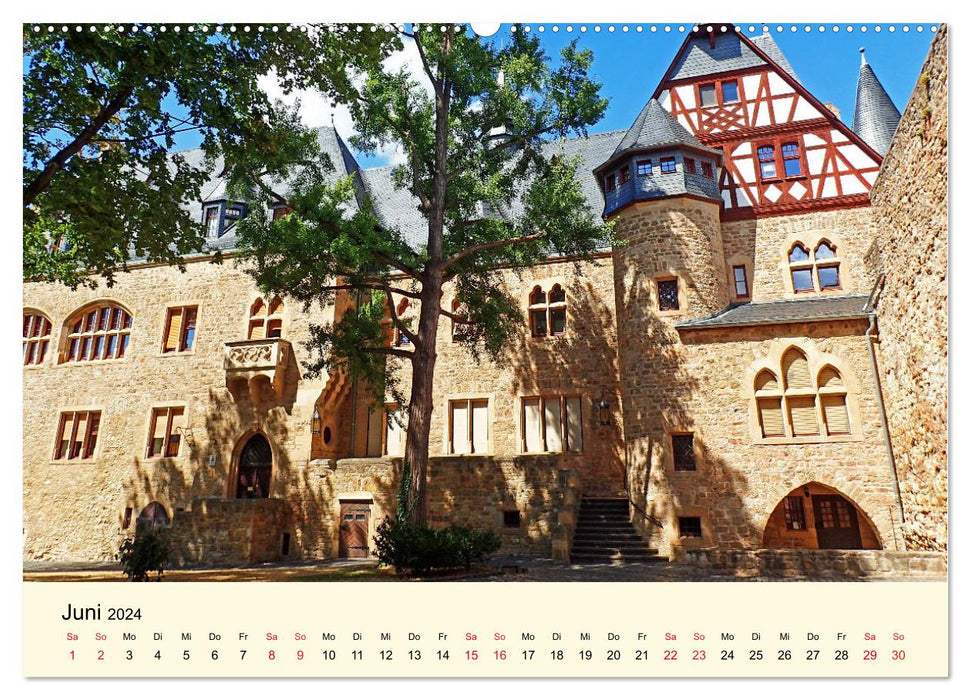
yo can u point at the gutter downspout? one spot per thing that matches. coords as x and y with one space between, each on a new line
871 340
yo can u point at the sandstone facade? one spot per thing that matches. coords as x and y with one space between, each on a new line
910 250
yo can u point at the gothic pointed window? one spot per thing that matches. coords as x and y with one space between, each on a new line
804 404
801 269
547 312
402 339
827 266
266 319
818 271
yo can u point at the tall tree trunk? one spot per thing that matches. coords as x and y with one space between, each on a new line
421 404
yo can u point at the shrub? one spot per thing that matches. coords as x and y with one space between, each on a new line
416 549
143 554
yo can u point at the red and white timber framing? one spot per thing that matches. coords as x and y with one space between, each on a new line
837 168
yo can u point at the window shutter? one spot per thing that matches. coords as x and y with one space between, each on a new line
532 434
554 425
797 372
480 427
574 424
175 432
830 377
766 381
770 417
802 410
375 424
395 442
460 428
159 419
257 330
837 418
173 331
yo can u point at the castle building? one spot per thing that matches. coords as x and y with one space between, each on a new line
717 381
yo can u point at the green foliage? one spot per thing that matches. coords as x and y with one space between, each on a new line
141 555
416 549
100 112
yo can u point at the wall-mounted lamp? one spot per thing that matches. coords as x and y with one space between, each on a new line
805 491
315 422
187 434
603 407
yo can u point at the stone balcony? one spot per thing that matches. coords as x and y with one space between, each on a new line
255 362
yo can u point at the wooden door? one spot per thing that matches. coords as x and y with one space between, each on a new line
837 526
253 471
355 518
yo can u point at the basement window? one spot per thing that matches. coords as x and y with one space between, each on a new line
689 527
512 518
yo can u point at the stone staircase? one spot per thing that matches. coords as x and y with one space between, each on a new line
604 534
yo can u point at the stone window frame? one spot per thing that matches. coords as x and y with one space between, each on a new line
122 335
61 424
490 400
696 449
818 361
546 287
156 410
669 276
684 540
811 240
543 398
166 320
34 337
746 263
269 322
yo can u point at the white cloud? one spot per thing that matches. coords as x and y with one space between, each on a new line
316 109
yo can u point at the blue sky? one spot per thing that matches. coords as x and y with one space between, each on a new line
630 64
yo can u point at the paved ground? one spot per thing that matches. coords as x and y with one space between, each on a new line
500 569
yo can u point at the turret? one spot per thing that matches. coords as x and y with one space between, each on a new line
876 117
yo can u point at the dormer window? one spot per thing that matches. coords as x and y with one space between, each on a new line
610 183
280 211
212 220
668 164
689 165
643 168
624 174
707 170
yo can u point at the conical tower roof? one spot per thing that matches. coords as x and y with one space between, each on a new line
655 128
875 119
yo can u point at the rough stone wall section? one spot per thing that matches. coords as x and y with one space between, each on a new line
821 563
910 206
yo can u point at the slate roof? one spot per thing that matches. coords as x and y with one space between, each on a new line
654 127
730 53
789 311
875 119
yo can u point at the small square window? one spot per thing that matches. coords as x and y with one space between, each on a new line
512 518
667 295
689 527
668 165
802 280
684 453
610 183
624 174
730 91
643 168
689 165
707 95
707 170
829 277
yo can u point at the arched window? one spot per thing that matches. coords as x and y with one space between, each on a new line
816 272
800 406
152 517
266 320
547 313
99 332
37 337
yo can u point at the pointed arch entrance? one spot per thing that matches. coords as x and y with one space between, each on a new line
254 467
817 516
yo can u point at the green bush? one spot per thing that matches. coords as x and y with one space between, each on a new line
143 554
414 549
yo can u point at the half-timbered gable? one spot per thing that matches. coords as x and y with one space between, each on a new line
784 151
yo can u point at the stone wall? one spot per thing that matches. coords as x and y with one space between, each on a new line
75 510
910 208
229 532
820 563
582 362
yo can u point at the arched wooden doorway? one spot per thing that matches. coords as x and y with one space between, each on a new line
254 467
816 516
152 517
